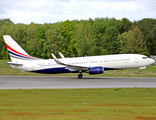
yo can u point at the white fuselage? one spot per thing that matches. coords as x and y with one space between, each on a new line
108 62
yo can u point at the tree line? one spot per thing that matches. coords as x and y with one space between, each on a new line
99 36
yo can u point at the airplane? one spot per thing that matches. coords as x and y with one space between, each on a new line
91 64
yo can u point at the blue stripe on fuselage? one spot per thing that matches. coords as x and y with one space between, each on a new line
52 70
62 70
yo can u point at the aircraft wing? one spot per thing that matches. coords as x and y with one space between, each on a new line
69 66
11 63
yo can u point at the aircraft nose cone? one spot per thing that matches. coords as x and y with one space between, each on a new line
152 61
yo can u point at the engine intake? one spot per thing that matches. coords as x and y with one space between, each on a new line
96 70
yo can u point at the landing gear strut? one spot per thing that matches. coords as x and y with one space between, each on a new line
80 75
140 69
139 72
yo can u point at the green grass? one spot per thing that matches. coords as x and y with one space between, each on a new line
150 71
75 104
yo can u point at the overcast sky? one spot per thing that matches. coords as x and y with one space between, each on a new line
52 11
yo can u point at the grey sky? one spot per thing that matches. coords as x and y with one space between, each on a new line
51 11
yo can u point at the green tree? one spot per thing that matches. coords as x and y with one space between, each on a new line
5 22
3 31
152 37
105 32
67 31
3 53
95 51
110 40
146 25
31 40
40 49
126 42
41 38
18 32
104 52
40 31
98 31
83 34
125 25
132 41
54 40
83 48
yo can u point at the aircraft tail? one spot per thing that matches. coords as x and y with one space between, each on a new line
15 51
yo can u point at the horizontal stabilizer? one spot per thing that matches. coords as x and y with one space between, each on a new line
11 63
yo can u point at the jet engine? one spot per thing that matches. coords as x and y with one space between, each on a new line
96 70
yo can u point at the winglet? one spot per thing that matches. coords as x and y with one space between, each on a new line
62 56
54 57
56 60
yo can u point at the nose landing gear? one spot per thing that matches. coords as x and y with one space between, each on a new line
139 72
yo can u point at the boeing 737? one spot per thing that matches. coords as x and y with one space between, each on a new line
90 64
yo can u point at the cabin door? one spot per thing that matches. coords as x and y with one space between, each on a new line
136 60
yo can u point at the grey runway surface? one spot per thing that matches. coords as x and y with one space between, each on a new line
53 82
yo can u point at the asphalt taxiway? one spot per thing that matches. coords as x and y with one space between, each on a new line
53 82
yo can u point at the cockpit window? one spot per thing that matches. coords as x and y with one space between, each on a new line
144 57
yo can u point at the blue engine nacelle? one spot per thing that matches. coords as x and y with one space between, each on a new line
96 70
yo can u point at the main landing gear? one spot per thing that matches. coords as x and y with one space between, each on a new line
80 75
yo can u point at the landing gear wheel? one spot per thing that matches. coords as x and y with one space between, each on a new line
139 72
80 75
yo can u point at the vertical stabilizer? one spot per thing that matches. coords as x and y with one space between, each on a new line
15 51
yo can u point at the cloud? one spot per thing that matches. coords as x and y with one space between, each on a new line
51 11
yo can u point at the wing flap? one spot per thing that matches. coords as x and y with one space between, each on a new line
11 63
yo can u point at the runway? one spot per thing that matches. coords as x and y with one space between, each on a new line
53 82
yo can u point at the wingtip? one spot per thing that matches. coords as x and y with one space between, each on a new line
54 57
61 55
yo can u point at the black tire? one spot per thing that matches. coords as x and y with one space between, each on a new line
80 76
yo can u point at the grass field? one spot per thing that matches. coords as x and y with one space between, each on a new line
75 104
150 71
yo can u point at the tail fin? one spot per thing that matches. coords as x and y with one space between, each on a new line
15 51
